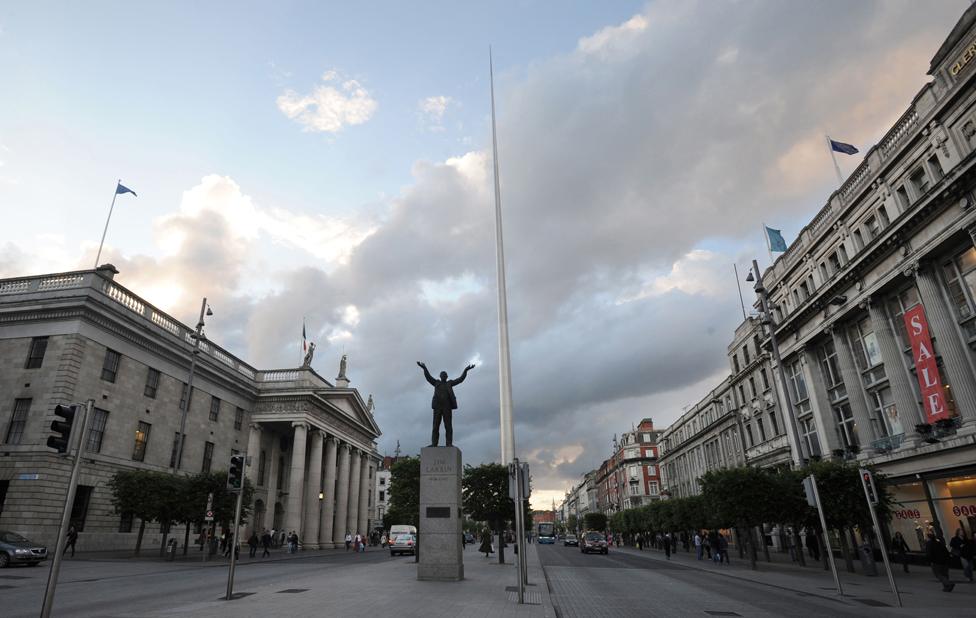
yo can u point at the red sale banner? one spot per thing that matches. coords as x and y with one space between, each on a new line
933 397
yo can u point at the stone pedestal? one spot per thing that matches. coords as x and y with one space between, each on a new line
441 558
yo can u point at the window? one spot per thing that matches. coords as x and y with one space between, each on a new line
824 273
834 260
762 429
207 456
35 356
858 240
142 437
742 394
96 431
752 441
844 259
383 480
262 466
745 354
871 225
797 383
935 168
214 408
645 437
238 418
810 439
904 300
920 182
125 522
79 508
902 196
846 427
176 452
886 413
735 362
883 217
652 488
755 342
382 495
772 423
18 421
960 275
110 366
830 372
752 386
865 345
764 377
152 383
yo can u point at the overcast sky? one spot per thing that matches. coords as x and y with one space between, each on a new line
295 160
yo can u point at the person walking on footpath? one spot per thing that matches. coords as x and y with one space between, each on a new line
274 537
485 546
253 543
938 557
961 547
900 549
266 544
667 545
722 553
71 537
293 542
348 541
698 545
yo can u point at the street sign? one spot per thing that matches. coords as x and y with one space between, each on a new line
524 477
809 491
209 516
867 479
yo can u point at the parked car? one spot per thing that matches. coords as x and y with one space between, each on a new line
594 542
15 549
403 544
571 540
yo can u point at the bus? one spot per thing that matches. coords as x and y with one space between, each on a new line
546 532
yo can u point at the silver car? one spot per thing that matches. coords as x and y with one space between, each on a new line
15 549
403 544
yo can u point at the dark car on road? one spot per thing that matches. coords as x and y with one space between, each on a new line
570 540
15 549
594 542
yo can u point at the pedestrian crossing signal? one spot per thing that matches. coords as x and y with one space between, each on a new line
868 480
62 428
235 474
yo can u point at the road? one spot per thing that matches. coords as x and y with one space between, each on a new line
125 587
621 585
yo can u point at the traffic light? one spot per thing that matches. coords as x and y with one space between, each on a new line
62 428
235 474
868 479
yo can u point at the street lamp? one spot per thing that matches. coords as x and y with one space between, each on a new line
321 495
196 336
767 318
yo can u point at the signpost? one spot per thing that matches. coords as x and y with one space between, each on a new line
240 460
813 499
871 495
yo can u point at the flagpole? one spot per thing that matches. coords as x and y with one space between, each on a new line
98 256
833 157
739 287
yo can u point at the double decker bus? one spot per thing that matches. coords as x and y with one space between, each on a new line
546 532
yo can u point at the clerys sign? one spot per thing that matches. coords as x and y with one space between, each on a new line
933 397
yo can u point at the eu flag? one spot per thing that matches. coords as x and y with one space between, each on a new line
843 148
776 240
119 190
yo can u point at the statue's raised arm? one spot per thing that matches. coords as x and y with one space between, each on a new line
463 375
427 375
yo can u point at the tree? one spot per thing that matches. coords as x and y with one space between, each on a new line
738 497
485 492
595 521
404 493
134 492
572 524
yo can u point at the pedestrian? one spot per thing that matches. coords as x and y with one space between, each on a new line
485 546
640 542
383 541
228 543
283 537
667 545
71 538
464 541
961 547
348 541
266 544
253 543
723 549
698 545
938 557
274 537
900 548
293 542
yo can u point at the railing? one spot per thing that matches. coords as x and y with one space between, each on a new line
902 128
887 444
122 297
60 282
279 375
163 321
42 284
822 218
18 286
854 182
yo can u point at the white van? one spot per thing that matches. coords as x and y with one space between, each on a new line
395 531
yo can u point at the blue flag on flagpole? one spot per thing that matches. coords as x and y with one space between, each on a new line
843 148
775 239
119 190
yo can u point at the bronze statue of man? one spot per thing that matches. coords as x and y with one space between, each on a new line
443 403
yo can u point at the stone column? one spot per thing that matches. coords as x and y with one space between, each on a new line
355 468
898 377
328 488
364 489
272 480
310 535
293 514
855 391
819 404
254 452
955 357
342 496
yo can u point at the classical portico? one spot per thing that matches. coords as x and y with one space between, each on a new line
318 444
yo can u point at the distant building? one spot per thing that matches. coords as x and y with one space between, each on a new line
70 337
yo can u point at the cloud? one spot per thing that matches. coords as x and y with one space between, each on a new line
432 110
330 106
